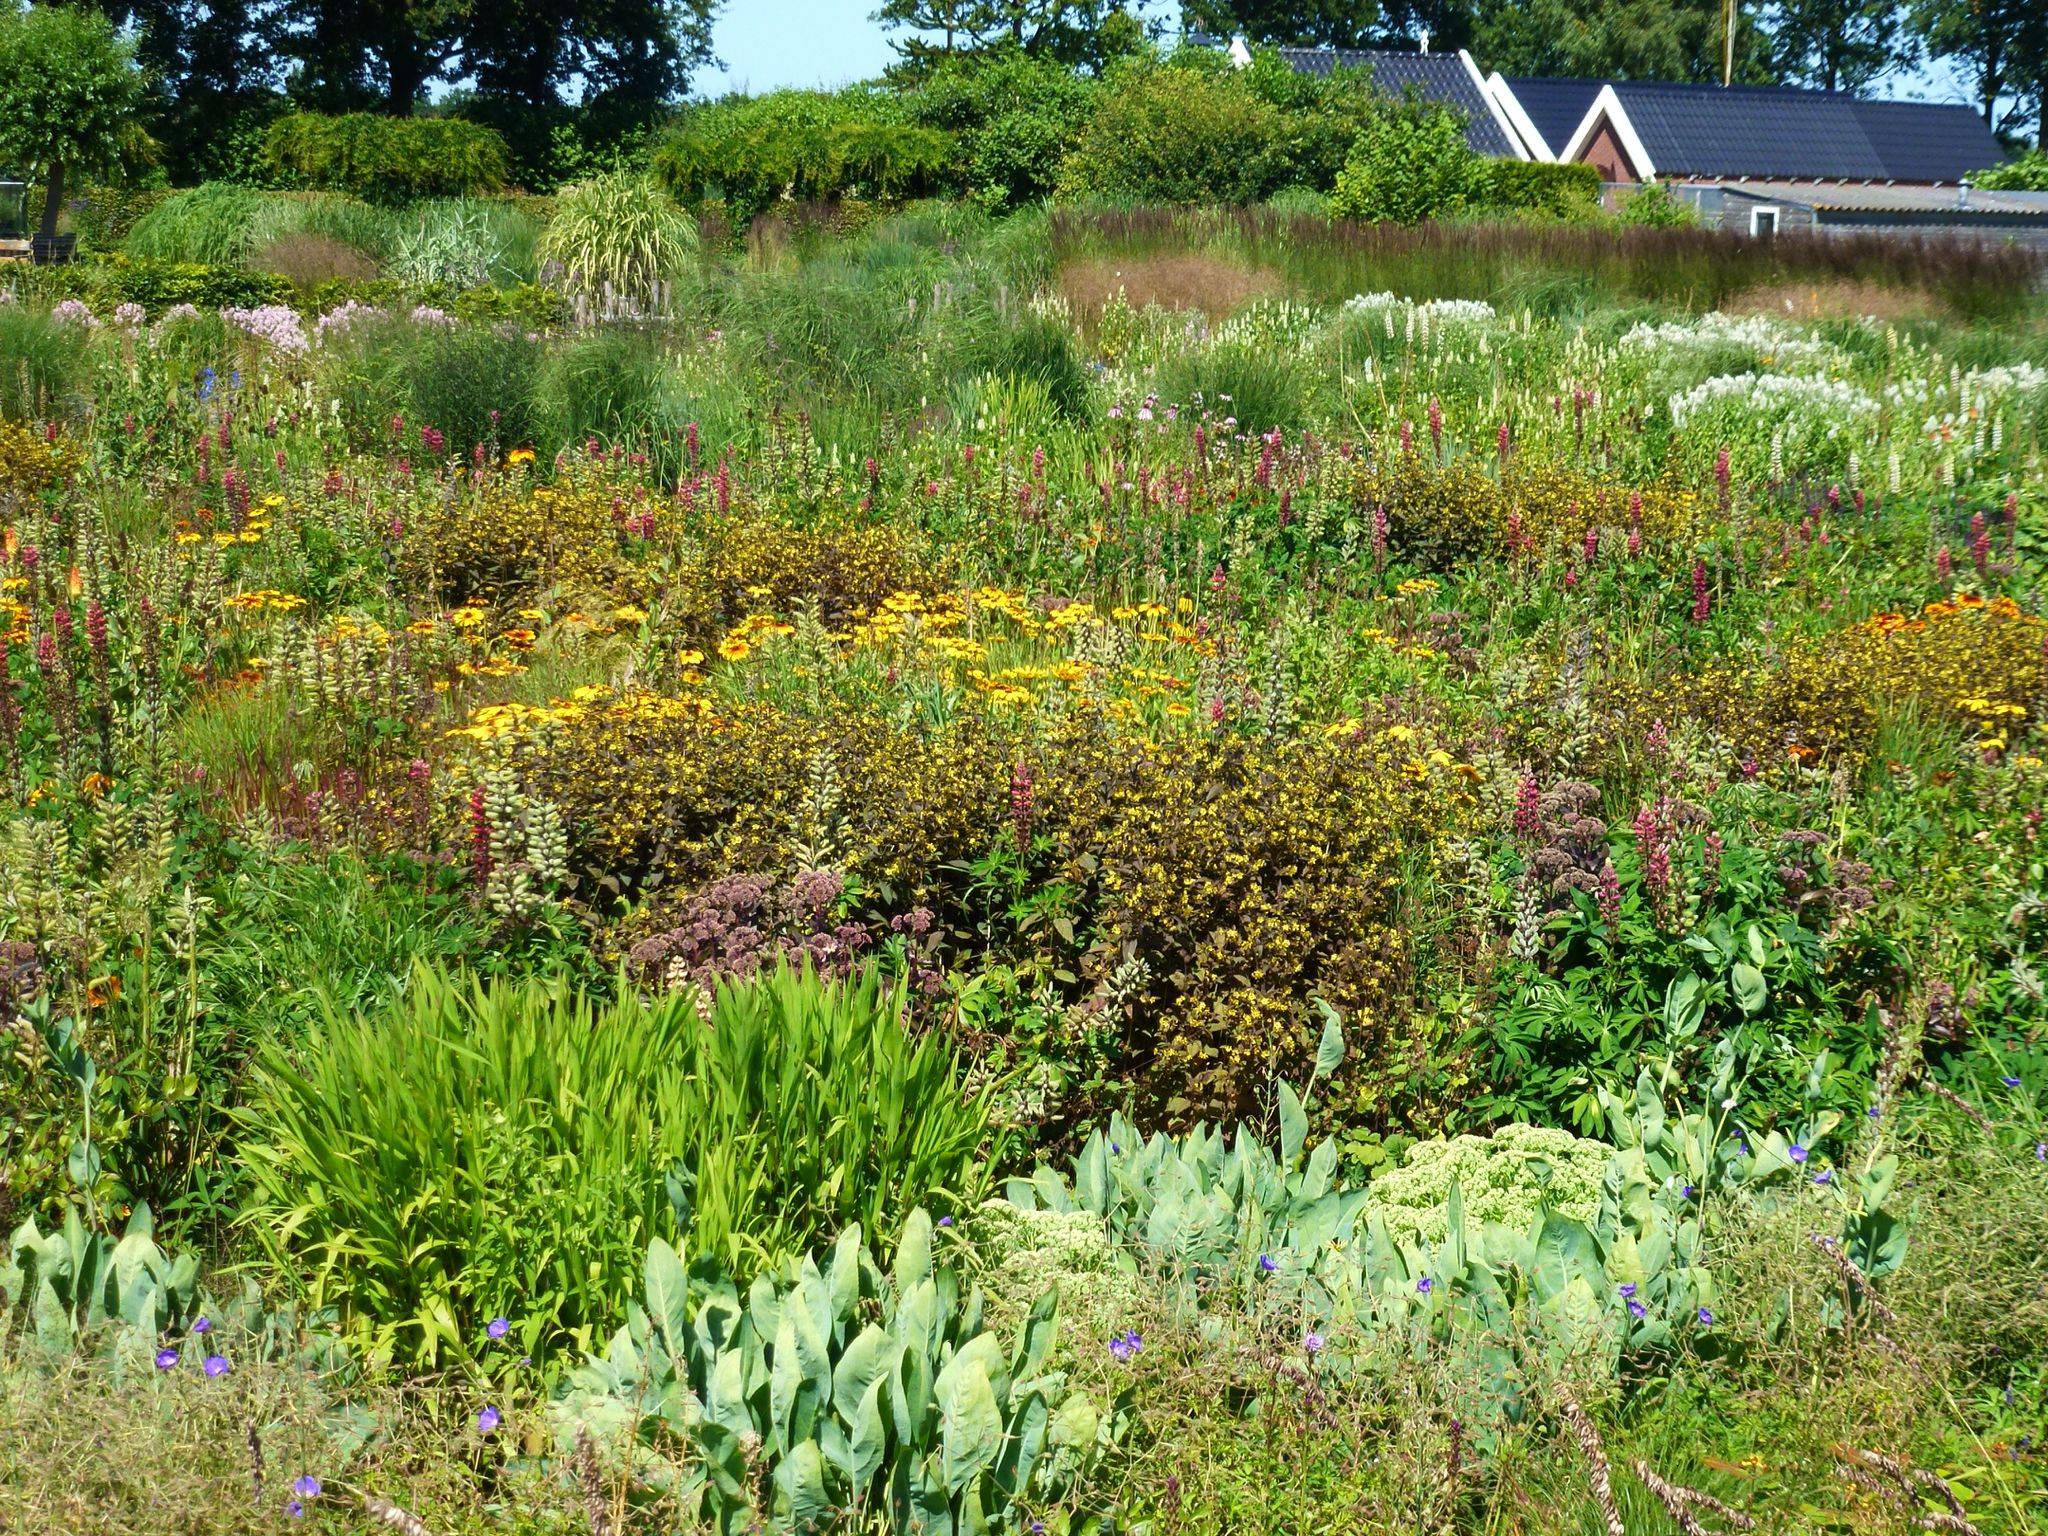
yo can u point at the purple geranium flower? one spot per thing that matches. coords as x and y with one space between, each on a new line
498 1327
1425 1285
1267 1264
1706 1317
202 1325
489 1420
1798 1153
166 1358
306 1486
1636 1308
1126 1344
215 1365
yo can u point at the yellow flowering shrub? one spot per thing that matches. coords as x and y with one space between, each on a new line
731 566
664 791
1460 509
1235 880
497 538
30 464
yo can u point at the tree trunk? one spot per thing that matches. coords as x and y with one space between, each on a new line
53 199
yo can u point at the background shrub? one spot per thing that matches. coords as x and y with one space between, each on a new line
1532 187
40 364
389 159
1167 134
804 145
487 1149
1410 163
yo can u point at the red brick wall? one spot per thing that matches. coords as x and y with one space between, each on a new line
1603 149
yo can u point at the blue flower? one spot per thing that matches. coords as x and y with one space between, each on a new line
1267 1264
215 1365
1706 1318
1628 1289
1126 1344
2041 1151
166 1358
306 1486
1312 1342
207 378
1636 1308
202 1325
1797 1154
1825 1176
945 1221
1691 1192
2010 1082
1425 1285
295 1509
498 1327
489 1420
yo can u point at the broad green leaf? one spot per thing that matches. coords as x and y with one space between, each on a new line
668 1293
970 1424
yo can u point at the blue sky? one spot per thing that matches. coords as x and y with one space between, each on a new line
771 43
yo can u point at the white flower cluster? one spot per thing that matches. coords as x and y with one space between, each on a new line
1270 322
1429 311
1790 397
1773 342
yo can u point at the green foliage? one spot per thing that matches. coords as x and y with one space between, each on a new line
805 145
1654 205
1165 134
69 90
617 242
484 1148
859 1394
461 243
211 225
2022 173
41 367
389 159
1534 187
75 1289
1012 117
1409 164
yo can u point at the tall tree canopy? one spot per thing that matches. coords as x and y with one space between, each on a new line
1081 33
69 89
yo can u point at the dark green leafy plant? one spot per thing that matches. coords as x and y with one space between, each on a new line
389 158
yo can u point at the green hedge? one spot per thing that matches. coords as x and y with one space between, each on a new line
389 159
1529 186
806 144
157 285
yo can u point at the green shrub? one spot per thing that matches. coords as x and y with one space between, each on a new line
805 145
1013 117
213 224
484 1149
389 159
1411 163
617 242
462 243
2023 173
1504 1180
158 285
1262 386
1653 205
1533 187
1165 134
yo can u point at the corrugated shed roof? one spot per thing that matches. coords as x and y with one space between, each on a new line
1880 197
1439 77
1555 107
1709 130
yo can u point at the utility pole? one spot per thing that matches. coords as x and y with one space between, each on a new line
1728 42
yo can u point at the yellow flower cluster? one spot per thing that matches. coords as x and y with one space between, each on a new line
1456 510
31 463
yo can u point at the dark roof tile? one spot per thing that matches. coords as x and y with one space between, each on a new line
1438 77
1555 107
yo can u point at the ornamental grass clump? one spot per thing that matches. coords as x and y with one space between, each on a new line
616 243
483 1148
